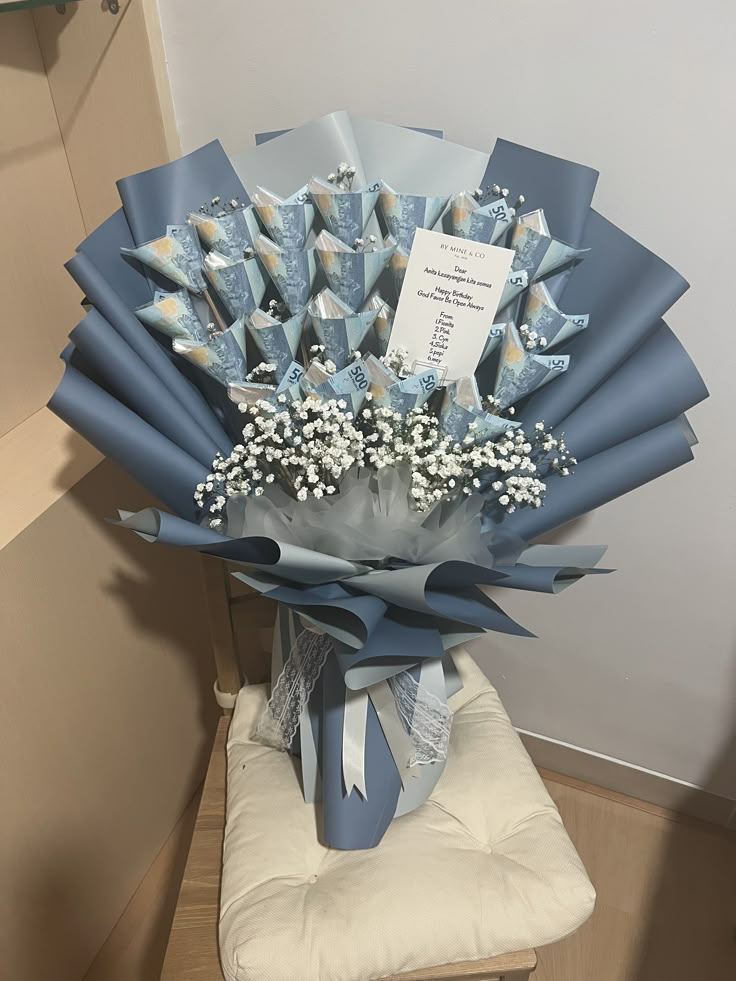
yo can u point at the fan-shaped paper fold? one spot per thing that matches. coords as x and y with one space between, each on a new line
116 431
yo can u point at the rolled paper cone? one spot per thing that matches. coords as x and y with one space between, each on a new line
240 283
410 393
176 255
350 274
480 223
521 372
461 406
404 213
277 341
292 271
315 376
172 314
229 234
345 213
380 377
337 327
222 357
543 316
384 322
287 220
536 251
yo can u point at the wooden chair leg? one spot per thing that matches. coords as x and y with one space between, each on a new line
217 595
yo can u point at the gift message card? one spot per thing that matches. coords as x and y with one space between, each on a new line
448 302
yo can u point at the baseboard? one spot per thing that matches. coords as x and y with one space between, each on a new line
627 778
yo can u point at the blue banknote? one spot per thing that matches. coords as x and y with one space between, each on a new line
350 274
287 220
176 255
337 327
278 343
404 213
173 314
521 372
292 271
239 283
345 213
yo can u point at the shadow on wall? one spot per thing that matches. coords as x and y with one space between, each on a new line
150 590
96 822
689 931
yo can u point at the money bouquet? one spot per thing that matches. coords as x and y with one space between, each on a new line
345 363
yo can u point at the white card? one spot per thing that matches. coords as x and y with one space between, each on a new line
448 302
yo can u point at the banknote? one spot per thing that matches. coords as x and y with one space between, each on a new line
222 357
521 372
277 342
292 271
537 252
399 262
345 213
482 223
173 314
493 341
404 213
292 376
230 234
239 283
315 375
350 274
176 255
461 407
410 393
543 316
384 321
287 220
380 378
516 283
248 393
337 327
350 384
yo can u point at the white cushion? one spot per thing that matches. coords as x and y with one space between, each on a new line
484 867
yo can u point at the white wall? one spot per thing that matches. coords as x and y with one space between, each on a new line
641 665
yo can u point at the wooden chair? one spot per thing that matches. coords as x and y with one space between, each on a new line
192 953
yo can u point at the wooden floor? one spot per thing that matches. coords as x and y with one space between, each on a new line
666 897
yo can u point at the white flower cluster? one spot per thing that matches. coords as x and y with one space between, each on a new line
309 446
443 468
531 339
397 360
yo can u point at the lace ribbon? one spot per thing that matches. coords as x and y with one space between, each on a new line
425 717
280 720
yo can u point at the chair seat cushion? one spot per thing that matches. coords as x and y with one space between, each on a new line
483 868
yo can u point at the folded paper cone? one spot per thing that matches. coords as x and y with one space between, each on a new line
345 213
350 274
